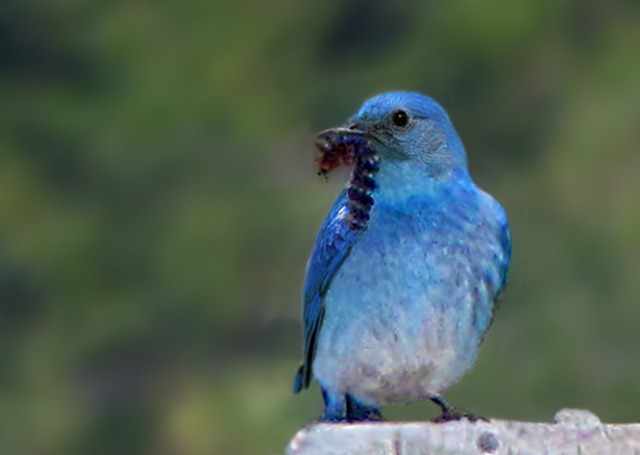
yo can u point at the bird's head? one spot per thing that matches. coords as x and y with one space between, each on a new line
400 144
406 126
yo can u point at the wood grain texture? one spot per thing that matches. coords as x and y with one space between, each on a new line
573 432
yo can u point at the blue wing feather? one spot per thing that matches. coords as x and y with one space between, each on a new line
333 244
504 259
505 240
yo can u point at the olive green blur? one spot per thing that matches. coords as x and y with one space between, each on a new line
158 203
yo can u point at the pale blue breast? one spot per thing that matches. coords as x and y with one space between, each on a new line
409 306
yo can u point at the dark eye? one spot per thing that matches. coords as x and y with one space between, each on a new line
400 118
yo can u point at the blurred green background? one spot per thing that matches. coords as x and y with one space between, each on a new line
158 203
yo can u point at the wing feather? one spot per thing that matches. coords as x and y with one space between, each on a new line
333 244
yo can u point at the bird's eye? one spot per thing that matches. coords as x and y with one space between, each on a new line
400 118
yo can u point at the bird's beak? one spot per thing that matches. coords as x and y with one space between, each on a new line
348 129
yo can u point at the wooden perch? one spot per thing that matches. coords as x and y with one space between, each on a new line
573 432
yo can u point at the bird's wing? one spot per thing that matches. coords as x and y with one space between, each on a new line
333 244
504 260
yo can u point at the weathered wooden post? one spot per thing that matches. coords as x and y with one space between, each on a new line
573 432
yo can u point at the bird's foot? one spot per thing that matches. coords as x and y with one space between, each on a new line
451 413
359 412
325 418
347 409
457 414
358 417
369 415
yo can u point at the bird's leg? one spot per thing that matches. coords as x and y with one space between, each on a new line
359 412
450 412
335 407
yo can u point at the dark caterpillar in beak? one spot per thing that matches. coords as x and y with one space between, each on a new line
354 150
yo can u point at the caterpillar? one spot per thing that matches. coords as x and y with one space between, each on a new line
351 150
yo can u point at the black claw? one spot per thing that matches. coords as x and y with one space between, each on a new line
325 419
451 413
370 416
359 412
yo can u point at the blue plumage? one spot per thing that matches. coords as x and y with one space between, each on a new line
396 305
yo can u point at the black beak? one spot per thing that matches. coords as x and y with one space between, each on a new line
348 129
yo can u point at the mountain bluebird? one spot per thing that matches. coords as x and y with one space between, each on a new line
404 278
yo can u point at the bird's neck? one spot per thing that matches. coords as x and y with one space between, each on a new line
399 180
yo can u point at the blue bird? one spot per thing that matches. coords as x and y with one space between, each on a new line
407 268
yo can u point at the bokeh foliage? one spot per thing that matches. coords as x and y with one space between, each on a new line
158 203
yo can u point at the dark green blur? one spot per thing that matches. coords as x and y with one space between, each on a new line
158 203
